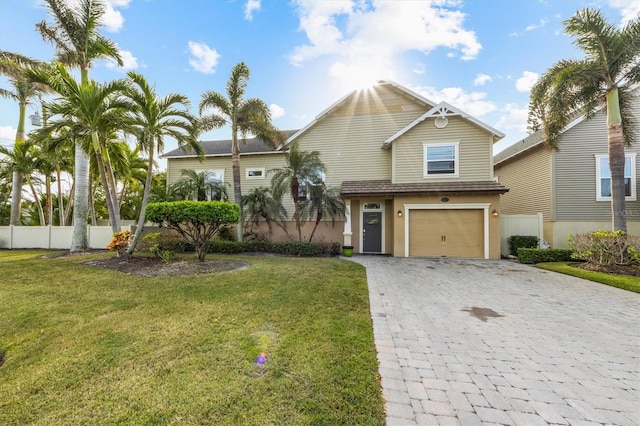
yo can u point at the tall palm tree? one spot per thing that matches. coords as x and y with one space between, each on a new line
602 79
244 116
23 91
91 111
303 169
324 203
20 163
74 34
154 119
259 204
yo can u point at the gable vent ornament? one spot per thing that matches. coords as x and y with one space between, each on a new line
441 122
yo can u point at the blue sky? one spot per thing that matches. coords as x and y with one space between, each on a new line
482 56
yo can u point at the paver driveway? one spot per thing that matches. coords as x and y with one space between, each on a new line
494 342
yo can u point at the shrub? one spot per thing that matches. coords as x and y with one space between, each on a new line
120 241
288 248
605 248
534 255
521 241
152 243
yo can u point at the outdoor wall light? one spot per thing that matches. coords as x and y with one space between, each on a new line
399 213
494 213
36 120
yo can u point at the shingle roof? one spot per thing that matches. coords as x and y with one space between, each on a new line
223 147
385 187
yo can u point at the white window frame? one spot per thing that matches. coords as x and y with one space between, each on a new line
456 160
216 172
262 170
633 196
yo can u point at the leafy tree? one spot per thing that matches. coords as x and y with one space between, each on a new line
197 222
198 186
324 203
154 119
245 116
259 204
303 170
611 67
74 34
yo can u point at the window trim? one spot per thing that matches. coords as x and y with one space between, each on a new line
456 160
214 172
256 169
633 196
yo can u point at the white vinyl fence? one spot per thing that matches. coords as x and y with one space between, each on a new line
519 224
52 237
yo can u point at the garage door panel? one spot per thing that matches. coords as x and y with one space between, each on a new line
446 232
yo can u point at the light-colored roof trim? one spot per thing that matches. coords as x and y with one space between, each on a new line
448 110
333 106
242 154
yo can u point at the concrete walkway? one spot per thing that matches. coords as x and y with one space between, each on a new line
476 342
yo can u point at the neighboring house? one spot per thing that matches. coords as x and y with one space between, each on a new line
570 186
416 176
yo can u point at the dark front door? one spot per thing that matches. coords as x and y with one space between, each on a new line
372 232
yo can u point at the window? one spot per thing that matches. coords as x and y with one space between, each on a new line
214 182
603 178
441 160
304 192
258 173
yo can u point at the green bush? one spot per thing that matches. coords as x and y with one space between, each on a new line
534 255
521 241
288 248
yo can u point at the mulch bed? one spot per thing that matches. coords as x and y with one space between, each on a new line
631 270
155 267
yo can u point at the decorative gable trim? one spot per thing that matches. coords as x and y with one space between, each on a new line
440 112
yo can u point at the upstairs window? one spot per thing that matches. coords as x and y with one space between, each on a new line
603 178
441 160
256 173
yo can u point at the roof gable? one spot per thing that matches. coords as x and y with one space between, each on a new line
440 113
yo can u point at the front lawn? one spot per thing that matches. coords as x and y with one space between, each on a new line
86 345
626 282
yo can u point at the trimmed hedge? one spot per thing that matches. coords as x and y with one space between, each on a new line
531 255
288 248
521 241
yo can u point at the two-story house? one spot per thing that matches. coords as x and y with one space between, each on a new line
416 176
570 186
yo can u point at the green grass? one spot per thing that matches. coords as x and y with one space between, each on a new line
85 345
625 282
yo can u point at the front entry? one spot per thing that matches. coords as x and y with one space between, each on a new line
372 232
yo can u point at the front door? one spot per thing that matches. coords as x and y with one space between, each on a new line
372 232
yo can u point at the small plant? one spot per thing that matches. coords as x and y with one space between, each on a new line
120 242
521 241
606 248
152 242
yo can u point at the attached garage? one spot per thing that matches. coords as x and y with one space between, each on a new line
446 233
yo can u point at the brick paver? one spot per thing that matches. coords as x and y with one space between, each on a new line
563 350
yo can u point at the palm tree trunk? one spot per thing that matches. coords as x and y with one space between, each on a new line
318 219
145 200
79 240
37 201
616 161
69 208
61 212
115 226
16 199
237 190
48 201
114 186
92 203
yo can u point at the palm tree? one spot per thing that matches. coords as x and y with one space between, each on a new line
19 161
91 111
324 203
245 116
260 204
75 37
303 169
154 119
611 67
198 186
24 92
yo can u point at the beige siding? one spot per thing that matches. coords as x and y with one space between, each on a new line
529 181
474 151
575 172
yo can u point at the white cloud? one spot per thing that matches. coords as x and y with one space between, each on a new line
276 111
526 82
541 23
474 103
515 118
203 58
369 36
481 79
629 9
129 62
419 69
7 135
250 7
